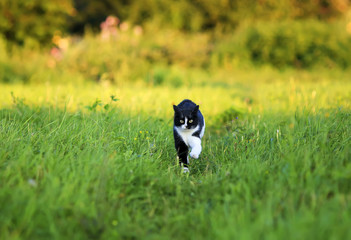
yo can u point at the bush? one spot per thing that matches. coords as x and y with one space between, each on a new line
229 115
33 22
202 15
301 44
128 53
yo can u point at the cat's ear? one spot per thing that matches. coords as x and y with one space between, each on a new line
176 109
196 109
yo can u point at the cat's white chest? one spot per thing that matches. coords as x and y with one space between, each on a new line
187 135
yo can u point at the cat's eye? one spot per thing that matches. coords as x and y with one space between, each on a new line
181 121
190 121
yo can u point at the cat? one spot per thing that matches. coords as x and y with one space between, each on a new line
188 130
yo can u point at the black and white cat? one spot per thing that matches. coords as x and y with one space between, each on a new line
189 128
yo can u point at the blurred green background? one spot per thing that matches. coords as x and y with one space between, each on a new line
162 41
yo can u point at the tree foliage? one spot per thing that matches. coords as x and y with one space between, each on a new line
199 15
31 21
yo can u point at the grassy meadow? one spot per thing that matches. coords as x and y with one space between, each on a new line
87 150
98 162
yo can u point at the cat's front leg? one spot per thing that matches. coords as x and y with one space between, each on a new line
195 144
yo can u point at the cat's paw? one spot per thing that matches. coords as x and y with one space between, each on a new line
194 155
185 170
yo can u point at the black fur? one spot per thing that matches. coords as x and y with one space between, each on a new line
181 148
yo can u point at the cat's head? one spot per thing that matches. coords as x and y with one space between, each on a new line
186 118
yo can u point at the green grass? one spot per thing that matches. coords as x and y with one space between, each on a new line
281 170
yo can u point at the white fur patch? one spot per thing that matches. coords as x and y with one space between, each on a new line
193 142
186 134
183 126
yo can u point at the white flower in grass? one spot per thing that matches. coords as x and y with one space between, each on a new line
32 182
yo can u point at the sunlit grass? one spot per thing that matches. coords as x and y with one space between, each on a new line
256 98
77 163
